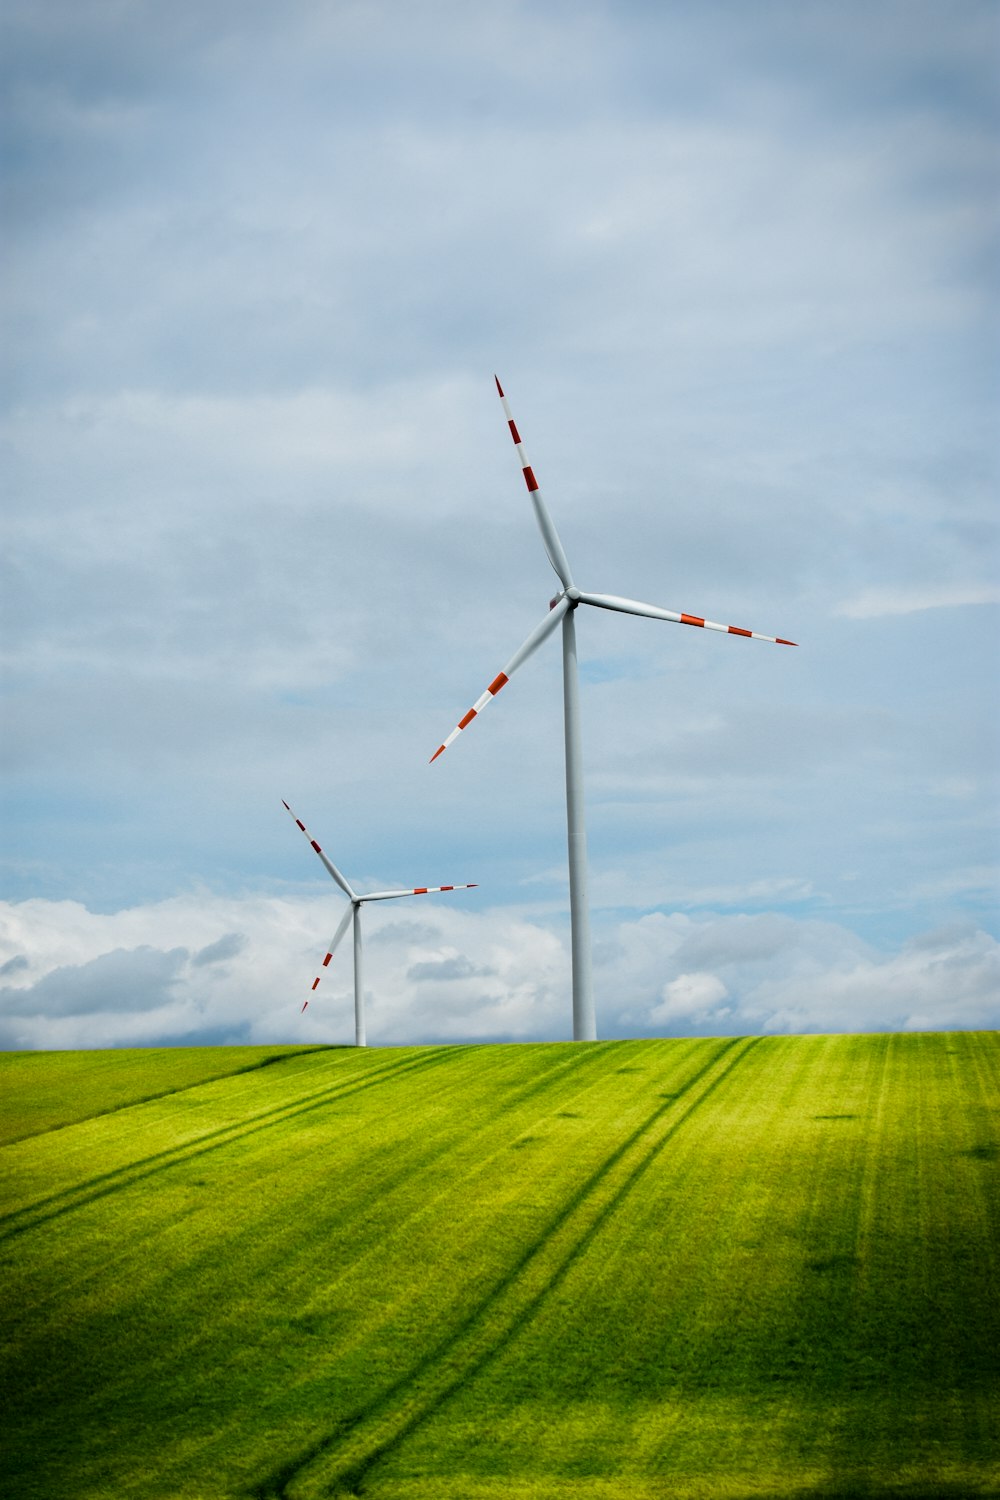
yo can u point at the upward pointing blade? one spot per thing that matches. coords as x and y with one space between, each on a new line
653 612
334 941
550 538
327 862
530 646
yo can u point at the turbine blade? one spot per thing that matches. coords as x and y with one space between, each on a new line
327 862
417 890
550 537
653 612
345 922
530 646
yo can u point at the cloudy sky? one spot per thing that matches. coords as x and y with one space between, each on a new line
735 264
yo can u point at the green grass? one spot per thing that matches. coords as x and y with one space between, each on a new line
46 1090
711 1268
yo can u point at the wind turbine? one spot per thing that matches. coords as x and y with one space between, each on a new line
353 913
563 609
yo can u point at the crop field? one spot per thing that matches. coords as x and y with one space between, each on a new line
715 1268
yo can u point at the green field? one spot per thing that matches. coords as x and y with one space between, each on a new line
724 1268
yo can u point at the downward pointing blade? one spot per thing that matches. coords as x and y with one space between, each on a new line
345 922
416 890
550 538
653 612
530 646
326 861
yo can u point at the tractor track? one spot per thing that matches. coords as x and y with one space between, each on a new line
579 1062
80 1195
338 1463
181 1088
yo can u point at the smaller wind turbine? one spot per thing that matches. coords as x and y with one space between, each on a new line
353 912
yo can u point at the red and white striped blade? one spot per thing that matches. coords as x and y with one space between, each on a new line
326 860
345 922
550 539
530 646
416 890
653 612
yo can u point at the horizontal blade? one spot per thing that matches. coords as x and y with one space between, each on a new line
417 890
327 862
530 646
550 538
345 922
653 612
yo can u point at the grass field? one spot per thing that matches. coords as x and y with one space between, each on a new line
723 1268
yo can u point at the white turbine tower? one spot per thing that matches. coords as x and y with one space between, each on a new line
353 912
562 609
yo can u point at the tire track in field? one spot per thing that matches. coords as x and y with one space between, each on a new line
567 1062
182 1088
95 1187
341 1460
574 1062
67 1200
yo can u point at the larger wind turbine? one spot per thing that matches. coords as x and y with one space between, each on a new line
562 609
353 914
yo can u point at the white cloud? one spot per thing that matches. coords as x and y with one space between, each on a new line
690 997
218 968
948 979
206 968
908 599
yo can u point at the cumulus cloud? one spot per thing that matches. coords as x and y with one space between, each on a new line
157 974
227 946
449 966
108 991
690 997
943 980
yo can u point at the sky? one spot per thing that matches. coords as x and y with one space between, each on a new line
265 536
